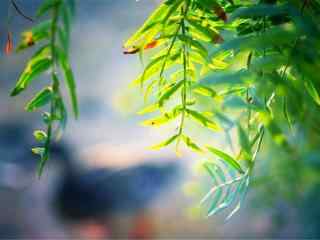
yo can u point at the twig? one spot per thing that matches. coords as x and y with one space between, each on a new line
20 12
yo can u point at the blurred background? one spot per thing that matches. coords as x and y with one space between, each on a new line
102 180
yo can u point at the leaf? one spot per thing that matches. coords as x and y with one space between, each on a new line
196 45
203 32
39 63
40 135
70 82
154 67
229 197
268 63
227 158
46 6
64 39
192 145
312 91
153 25
203 120
43 160
169 92
46 118
229 77
215 200
219 173
258 10
165 143
63 117
286 111
215 172
38 151
149 109
242 190
273 37
205 91
34 35
40 100
163 119
244 140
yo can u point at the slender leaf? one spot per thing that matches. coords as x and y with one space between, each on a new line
41 99
227 158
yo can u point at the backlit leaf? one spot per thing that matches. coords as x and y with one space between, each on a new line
41 99
227 158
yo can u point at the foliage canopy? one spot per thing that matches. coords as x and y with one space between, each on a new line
224 65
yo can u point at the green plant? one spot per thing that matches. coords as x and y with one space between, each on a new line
251 60
51 37
229 66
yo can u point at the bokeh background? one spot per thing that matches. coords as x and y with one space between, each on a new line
107 135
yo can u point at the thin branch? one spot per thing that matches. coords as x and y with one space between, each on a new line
20 12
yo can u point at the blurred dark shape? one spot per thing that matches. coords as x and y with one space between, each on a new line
10 231
89 198
98 193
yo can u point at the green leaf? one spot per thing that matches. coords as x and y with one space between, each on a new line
64 39
268 63
258 10
229 77
244 140
46 6
205 91
46 118
203 120
286 111
242 190
34 68
40 135
63 117
218 176
38 150
227 158
312 91
70 82
226 203
273 37
202 32
152 68
169 92
149 109
192 145
163 119
165 143
153 25
41 99
35 35
43 160
196 45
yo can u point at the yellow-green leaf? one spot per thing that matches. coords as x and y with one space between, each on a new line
227 158
200 118
165 143
40 100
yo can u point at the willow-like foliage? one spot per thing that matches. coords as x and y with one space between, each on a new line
225 65
253 61
51 38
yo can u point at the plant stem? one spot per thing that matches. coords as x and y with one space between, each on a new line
55 89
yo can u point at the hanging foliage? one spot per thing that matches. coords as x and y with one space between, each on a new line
223 65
